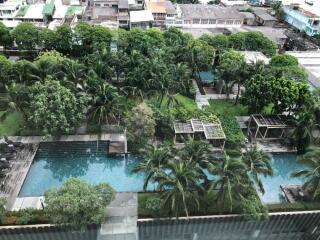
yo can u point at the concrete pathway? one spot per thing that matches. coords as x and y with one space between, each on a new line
121 218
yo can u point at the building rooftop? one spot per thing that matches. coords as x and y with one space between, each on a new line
276 121
253 57
248 15
170 9
74 10
34 11
233 2
123 4
311 11
263 14
104 13
310 61
48 7
156 7
141 16
191 11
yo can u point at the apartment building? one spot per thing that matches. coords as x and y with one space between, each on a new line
205 16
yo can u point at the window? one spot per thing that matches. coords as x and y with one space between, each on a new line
237 22
204 21
212 21
229 22
196 21
170 21
221 22
187 21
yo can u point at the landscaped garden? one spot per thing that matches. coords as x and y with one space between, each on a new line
142 87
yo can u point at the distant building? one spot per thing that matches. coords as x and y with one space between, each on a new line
263 18
229 3
162 11
304 17
249 18
252 57
141 19
9 9
205 16
310 61
123 13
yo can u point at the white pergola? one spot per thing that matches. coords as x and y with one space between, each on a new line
271 127
195 128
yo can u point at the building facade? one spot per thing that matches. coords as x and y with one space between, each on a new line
205 16
304 18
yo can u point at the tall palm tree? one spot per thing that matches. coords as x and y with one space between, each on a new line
180 187
155 158
196 152
311 159
105 103
74 73
230 178
257 163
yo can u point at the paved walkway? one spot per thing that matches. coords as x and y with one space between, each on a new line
203 100
121 218
70 138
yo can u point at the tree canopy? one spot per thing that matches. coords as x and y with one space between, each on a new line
77 203
54 108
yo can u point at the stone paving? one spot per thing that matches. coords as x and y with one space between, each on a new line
121 218
17 173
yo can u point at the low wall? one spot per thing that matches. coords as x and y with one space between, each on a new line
46 232
298 225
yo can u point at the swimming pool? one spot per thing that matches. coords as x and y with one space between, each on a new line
56 162
283 165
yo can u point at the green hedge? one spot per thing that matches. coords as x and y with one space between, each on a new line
25 216
209 207
290 207
232 130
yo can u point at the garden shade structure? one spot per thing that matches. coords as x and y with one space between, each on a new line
268 126
200 130
207 77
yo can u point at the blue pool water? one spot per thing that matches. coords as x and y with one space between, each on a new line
283 165
56 162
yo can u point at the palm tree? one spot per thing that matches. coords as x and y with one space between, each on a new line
312 174
105 103
180 187
196 152
155 158
304 124
230 178
257 163
74 73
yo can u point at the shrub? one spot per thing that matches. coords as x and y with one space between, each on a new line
154 204
232 131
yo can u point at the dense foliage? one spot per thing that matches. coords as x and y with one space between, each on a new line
77 203
250 41
182 180
54 108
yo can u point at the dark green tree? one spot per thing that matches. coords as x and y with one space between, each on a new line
26 36
53 108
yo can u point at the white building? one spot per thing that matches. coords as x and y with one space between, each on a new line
9 9
205 16
310 61
141 19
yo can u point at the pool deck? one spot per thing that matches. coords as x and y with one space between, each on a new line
113 137
121 218
18 172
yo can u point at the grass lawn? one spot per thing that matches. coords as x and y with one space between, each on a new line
11 125
227 107
185 102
